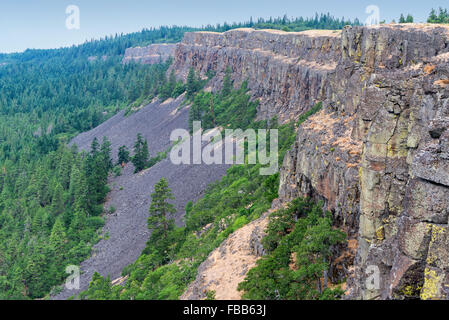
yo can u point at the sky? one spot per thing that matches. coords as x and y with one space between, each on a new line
42 23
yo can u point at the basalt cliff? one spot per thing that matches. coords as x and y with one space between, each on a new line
150 54
377 153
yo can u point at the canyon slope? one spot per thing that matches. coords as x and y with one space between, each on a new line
126 233
378 152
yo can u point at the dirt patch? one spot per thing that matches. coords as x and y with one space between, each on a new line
228 265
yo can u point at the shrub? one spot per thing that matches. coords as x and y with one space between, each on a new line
95 222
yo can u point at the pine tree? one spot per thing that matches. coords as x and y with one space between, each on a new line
94 146
78 224
160 209
57 201
65 168
432 16
147 85
82 197
168 88
123 155
43 187
79 190
75 183
105 151
172 82
191 86
165 92
95 172
141 154
58 240
145 153
133 93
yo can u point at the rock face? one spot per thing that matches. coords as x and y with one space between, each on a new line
378 152
149 55
287 72
380 163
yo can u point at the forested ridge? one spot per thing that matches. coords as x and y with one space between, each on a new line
114 45
51 197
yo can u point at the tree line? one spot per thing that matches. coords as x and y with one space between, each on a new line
442 16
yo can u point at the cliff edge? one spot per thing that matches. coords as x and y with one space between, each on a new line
154 53
377 153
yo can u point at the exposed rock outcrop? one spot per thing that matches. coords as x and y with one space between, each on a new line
378 152
287 72
379 162
151 54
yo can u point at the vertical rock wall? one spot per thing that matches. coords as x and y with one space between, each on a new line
391 193
378 152
154 53
287 72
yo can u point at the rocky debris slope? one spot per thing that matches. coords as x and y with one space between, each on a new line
154 53
155 122
125 233
228 265
377 154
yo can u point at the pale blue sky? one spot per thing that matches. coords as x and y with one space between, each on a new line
41 23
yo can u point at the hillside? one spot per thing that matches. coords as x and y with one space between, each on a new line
371 145
125 233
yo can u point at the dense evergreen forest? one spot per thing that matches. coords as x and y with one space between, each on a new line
51 195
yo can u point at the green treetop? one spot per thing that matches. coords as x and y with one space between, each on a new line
123 155
141 154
